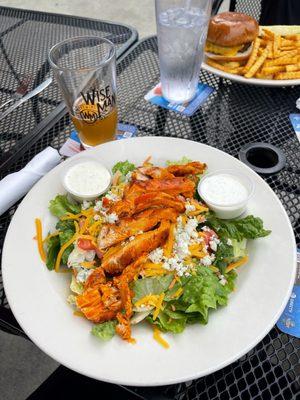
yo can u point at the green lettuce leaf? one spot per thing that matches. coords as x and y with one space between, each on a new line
224 255
124 167
76 287
249 227
104 331
146 286
66 231
53 247
202 292
71 299
183 160
61 205
169 321
239 249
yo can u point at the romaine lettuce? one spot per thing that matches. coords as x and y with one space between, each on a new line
224 255
53 246
239 248
169 321
124 167
249 227
104 331
61 205
201 292
66 231
182 161
76 287
146 286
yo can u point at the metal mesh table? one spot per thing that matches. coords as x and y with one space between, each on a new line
232 116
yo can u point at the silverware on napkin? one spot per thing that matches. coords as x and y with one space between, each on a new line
28 96
21 90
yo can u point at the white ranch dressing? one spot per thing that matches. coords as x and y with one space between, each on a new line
223 189
87 178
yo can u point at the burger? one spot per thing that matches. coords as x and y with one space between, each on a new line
230 36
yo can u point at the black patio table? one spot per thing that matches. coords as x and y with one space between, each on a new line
232 116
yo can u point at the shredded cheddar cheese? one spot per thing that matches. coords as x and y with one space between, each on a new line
237 264
65 246
78 314
178 293
158 306
95 228
83 213
88 264
159 339
50 236
150 299
39 238
170 242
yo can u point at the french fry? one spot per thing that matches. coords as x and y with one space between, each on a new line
276 45
288 53
224 68
281 61
292 68
273 70
288 75
260 75
292 37
286 42
264 42
253 55
271 52
288 48
259 62
268 34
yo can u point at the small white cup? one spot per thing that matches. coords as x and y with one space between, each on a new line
81 196
235 209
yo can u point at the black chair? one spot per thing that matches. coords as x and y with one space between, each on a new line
267 12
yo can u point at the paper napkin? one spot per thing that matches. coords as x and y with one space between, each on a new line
14 186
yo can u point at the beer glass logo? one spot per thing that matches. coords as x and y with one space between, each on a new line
88 113
95 104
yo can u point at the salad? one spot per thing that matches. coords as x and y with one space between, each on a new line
148 250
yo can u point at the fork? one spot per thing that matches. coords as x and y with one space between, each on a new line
21 90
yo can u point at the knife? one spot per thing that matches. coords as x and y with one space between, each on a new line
28 96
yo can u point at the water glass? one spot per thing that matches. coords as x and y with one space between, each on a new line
181 30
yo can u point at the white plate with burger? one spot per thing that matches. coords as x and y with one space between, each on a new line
239 50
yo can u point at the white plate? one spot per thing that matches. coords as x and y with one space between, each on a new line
251 81
38 297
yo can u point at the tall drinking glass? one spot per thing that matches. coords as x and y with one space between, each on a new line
181 29
85 69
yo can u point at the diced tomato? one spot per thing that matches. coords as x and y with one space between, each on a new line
208 235
105 202
85 244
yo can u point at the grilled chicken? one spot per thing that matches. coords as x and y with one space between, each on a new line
100 304
145 173
174 186
111 235
192 168
117 258
134 204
